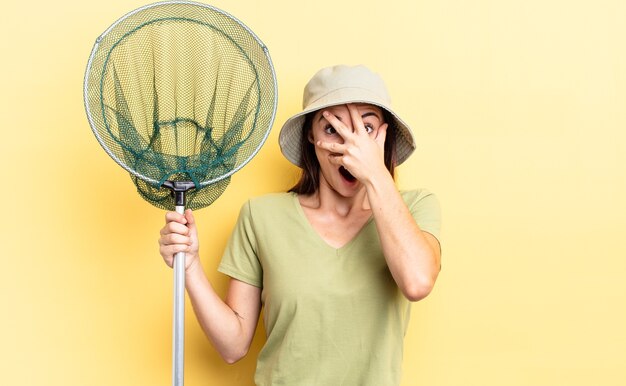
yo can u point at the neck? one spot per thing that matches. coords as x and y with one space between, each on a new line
328 199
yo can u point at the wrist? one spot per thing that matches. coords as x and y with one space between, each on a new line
194 267
379 180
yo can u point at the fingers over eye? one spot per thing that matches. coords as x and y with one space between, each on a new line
357 120
339 126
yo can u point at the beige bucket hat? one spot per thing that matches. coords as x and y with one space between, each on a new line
339 85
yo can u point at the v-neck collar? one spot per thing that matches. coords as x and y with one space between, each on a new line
315 234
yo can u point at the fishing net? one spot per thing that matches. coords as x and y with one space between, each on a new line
180 91
181 95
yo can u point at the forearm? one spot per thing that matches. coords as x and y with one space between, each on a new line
412 260
219 322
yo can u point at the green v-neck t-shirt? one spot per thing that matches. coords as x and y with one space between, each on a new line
332 316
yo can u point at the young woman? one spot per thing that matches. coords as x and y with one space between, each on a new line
336 261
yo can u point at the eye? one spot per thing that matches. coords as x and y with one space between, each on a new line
369 128
330 130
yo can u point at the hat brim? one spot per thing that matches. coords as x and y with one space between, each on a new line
290 135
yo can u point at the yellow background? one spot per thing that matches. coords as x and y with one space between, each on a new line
519 108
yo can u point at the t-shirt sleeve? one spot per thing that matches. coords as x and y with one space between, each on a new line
240 260
425 209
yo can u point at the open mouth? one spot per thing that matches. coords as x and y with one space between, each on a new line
346 174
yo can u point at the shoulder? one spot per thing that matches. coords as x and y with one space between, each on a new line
265 215
269 204
419 197
271 200
425 209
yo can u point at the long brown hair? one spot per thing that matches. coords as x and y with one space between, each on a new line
309 181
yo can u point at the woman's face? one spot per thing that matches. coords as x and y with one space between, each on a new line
321 130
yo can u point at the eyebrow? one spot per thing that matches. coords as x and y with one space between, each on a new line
371 113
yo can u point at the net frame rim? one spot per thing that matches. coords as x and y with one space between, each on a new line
93 125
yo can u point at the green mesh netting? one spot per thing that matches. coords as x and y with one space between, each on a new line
183 92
